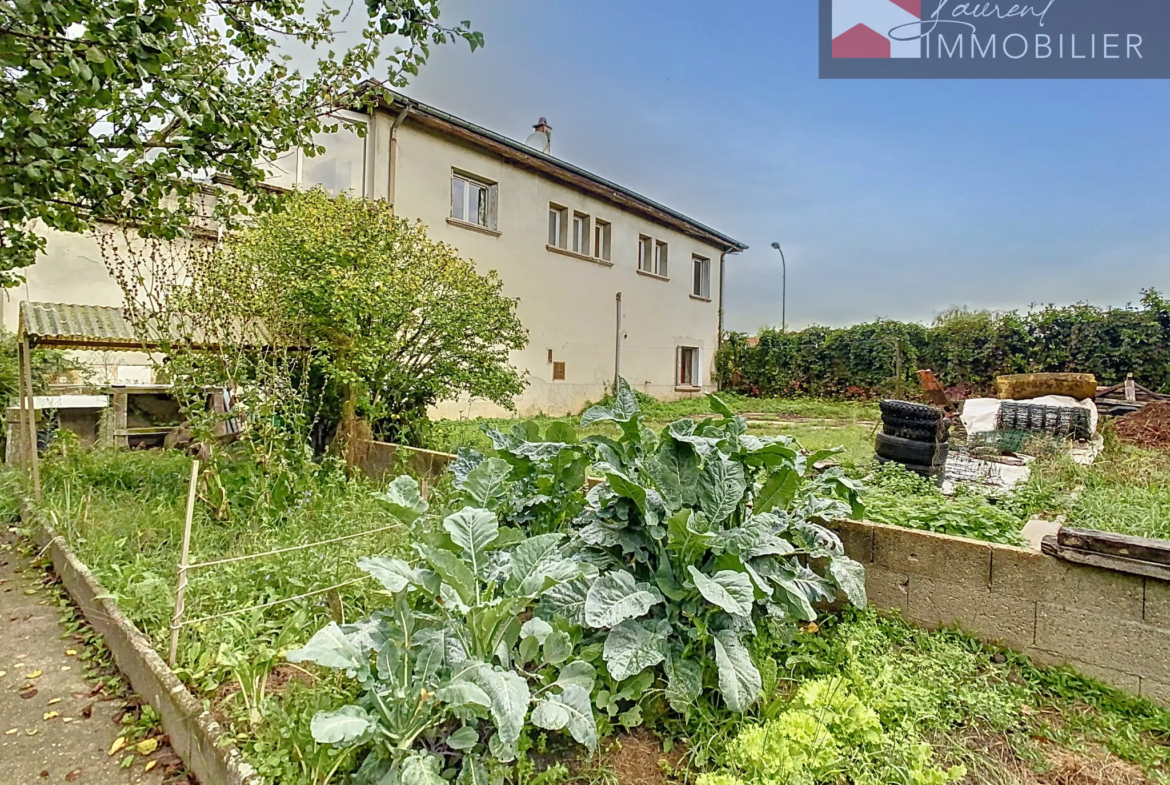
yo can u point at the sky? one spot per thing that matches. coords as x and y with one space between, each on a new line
892 199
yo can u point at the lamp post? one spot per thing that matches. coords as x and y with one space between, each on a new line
783 289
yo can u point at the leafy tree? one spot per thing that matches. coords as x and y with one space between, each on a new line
393 321
118 110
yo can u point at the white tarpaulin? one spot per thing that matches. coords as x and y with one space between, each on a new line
980 414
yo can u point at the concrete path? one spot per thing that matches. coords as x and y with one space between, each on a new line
53 728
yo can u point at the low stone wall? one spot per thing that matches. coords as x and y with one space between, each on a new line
1109 625
204 745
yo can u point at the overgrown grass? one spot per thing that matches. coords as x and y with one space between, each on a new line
1126 490
123 513
814 423
951 690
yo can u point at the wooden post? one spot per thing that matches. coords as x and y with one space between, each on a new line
181 591
29 416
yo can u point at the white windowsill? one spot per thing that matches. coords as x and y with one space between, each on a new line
582 257
473 227
655 276
700 298
686 388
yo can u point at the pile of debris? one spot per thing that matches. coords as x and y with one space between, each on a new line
1147 427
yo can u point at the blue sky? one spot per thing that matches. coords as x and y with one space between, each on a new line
898 199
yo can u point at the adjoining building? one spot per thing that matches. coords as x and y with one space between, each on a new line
607 280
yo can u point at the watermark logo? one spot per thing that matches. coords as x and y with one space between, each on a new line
862 28
949 39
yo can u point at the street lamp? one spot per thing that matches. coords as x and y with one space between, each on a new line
783 289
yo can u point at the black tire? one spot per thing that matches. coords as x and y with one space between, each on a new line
929 472
916 430
909 451
910 411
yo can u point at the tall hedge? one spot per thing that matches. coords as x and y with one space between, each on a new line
965 350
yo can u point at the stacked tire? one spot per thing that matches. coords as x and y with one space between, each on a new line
914 435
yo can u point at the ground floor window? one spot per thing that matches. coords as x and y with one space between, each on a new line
688 366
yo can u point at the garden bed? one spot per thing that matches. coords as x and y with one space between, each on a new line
979 708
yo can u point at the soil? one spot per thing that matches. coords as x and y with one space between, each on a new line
637 759
995 760
1147 427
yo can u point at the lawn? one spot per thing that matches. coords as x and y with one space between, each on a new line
850 699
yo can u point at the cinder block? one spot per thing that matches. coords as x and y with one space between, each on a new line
1157 691
997 618
1112 676
1034 576
886 590
857 537
1157 607
914 552
1104 640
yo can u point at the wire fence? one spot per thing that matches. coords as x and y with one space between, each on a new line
185 568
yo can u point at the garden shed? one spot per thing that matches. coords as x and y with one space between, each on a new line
101 328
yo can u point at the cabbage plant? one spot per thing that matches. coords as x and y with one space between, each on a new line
457 664
699 532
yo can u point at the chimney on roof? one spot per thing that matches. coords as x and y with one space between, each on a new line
541 137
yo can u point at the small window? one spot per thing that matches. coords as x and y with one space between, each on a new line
645 254
558 371
660 259
601 233
701 286
688 366
557 221
472 201
581 233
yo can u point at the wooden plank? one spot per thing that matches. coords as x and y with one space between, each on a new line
1051 547
1122 545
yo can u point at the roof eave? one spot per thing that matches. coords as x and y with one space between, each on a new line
557 169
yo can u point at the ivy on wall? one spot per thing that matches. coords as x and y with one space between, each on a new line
965 349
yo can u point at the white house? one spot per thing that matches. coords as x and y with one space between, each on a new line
607 280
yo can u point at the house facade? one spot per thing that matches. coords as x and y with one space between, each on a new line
607 280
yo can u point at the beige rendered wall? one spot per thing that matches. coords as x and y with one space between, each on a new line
567 303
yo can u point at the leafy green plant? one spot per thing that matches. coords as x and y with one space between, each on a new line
453 668
898 497
819 738
697 532
536 483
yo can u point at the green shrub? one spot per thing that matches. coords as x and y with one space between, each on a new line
965 349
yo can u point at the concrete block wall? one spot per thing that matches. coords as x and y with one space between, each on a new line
1109 625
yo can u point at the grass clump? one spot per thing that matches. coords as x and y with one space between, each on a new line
898 497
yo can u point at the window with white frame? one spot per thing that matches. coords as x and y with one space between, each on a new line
558 218
601 240
701 286
473 201
660 258
688 368
645 254
581 233
340 168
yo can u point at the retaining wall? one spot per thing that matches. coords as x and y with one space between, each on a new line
1109 625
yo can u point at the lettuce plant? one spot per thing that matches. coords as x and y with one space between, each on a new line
457 664
699 532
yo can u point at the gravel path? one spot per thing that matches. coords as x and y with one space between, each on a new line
54 726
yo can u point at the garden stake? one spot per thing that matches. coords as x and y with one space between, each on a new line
186 550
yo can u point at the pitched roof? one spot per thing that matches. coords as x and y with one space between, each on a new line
556 169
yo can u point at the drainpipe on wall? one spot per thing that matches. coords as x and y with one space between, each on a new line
617 346
394 153
719 337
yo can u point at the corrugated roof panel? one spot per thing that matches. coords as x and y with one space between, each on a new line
76 323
